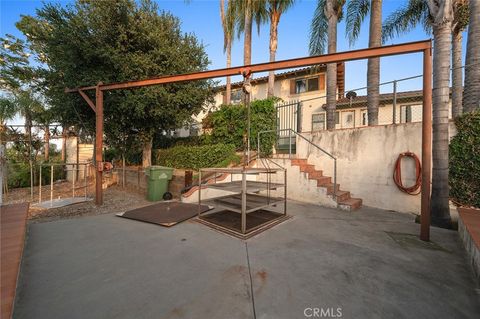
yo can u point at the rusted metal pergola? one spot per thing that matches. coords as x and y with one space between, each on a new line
424 47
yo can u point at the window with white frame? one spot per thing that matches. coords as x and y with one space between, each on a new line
318 121
307 84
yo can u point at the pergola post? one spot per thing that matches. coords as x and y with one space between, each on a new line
98 145
426 145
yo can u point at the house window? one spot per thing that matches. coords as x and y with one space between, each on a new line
236 96
337 117
405 114
299 86
318 121
364 119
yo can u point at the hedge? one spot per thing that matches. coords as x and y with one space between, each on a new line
162 141
195 157
229 124
464 166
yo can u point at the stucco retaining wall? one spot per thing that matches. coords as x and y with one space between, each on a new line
365 161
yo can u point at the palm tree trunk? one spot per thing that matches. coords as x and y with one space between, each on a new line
457 85
228 90
471 95
274 20
147 153
47 143
247 43
331 68
373 72
441 95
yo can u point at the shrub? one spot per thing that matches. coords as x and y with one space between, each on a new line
195 157
229 124
162 141
464 163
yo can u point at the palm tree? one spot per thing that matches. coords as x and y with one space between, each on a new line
244 13
323 31
275 8
228 24
460 22
415 12
439 17
356 12
472 69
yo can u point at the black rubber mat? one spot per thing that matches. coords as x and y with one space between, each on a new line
164 213
233 221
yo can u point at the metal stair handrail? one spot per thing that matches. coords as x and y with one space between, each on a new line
290 151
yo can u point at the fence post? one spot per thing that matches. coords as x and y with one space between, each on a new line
40 186
258 145
299 117
290 143
51 185
394 102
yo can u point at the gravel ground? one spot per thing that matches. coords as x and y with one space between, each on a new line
115 200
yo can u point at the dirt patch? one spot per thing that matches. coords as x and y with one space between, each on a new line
115 200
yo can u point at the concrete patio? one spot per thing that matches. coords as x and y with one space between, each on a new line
367 263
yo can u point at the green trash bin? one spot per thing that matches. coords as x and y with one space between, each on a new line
158 178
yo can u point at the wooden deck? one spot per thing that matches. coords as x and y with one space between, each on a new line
12 227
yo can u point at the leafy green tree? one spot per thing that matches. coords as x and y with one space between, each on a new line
113 41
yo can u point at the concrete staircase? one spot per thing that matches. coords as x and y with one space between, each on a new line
342 198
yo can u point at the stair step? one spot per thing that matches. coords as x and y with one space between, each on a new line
307 168
350 204
298 161
315 174
329 187
342 196
324 180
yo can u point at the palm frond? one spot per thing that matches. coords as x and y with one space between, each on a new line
318 30
259 13
407 18
356 12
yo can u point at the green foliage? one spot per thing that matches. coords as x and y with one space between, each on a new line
465 160
112 41
229 124
162 141
195 157
18 169
406 18
319 25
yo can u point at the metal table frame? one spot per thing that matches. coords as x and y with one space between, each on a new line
245 198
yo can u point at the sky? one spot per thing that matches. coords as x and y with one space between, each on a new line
202 17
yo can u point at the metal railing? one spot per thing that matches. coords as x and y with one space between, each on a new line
290 131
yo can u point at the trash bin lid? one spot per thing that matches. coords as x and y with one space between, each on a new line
160 168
